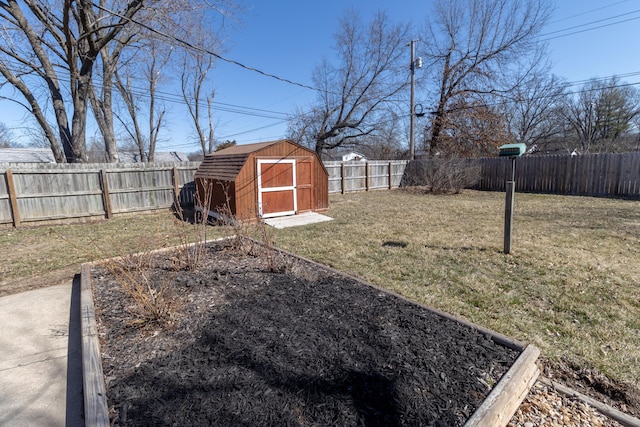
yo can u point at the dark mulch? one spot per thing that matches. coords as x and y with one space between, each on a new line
301 345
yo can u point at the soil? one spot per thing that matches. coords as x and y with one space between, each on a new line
257 337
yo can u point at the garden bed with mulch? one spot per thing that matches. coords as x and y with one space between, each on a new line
258 337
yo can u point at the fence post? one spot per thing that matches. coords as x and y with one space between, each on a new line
342 177
366 176
390 174
13 200
176 186
106 198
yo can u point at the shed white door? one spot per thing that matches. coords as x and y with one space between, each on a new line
276 187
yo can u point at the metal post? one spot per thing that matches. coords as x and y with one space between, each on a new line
412 151
508 207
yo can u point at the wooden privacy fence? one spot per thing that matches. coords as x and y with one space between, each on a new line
44 192
599 175
346 177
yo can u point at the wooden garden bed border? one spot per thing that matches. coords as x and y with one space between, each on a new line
496 410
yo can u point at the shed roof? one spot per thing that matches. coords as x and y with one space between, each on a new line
222 167
226 164
245 148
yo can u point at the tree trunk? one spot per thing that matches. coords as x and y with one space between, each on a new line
79 120
103 106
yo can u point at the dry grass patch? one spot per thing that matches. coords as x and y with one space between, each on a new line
570 285
30 253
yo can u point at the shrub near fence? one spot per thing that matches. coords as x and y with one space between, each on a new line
347 177
46 192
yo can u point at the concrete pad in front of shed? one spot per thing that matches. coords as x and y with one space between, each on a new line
297 220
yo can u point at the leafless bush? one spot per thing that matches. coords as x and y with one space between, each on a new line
249 237
193 235
263 236
241 229
154 300
441 175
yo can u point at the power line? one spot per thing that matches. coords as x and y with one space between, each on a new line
591 23
588 11
178 99
203 50
592 28
253 130
541 97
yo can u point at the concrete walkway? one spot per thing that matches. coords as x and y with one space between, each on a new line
40 357
297 220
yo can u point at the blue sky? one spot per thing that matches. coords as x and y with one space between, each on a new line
288 38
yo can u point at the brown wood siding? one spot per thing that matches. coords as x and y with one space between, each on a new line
219 191
304 184
276 175
247 190
320 186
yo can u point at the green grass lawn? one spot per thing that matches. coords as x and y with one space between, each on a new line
571 284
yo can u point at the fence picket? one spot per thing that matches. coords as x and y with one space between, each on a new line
73 191
364 176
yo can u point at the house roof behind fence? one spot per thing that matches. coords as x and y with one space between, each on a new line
26 155
158 156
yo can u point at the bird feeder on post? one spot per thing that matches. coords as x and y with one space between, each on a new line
512 151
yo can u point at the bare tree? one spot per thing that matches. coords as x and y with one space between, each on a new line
601 114
147 69
102 99
385 144
369 75
51 35
472 44
6 137
131 125
42 37
532 109
183 35
193 81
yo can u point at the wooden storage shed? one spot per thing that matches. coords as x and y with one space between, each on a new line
263 180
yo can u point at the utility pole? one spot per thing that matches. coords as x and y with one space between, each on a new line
412 149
